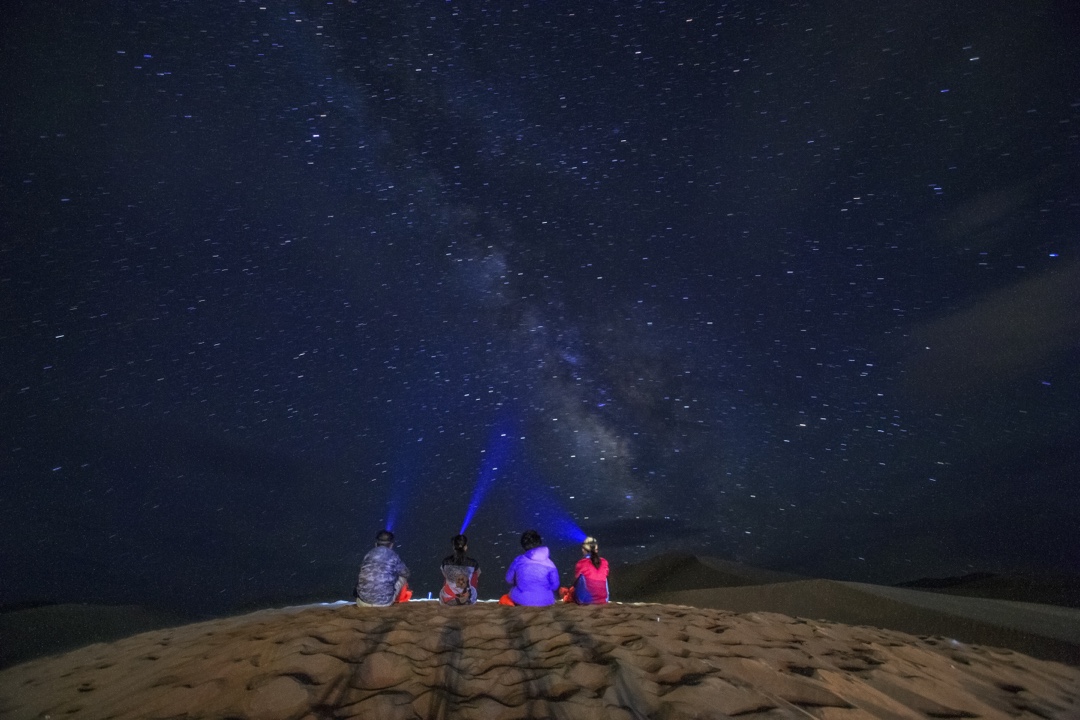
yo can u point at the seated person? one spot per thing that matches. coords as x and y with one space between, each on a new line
461 574
383 576
590 577
532 576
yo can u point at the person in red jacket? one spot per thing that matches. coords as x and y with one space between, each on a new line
590 577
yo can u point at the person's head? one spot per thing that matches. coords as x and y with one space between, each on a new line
461 544
384 538
531 539
591 549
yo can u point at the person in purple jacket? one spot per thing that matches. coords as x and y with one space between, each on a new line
532 576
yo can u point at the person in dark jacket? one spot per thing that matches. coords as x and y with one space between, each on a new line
460 575
590 576
532 576
383 576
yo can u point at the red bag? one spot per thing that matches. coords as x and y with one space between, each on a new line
405 595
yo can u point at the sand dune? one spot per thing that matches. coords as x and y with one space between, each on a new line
678 571
1061 623
1042 631
493 662
719 640
32 632
1047 588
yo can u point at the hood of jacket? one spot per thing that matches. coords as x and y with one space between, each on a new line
538 554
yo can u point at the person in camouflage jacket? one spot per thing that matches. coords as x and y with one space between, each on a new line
382 574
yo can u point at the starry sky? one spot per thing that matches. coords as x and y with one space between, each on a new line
789 284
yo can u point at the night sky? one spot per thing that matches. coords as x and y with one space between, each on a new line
789 285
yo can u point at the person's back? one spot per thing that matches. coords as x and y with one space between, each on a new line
591 582
461 574
590 576
532 575
382 574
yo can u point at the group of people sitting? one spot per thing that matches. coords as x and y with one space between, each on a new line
532 576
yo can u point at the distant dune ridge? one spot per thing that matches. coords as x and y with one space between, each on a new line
28 633
1044 631
727 656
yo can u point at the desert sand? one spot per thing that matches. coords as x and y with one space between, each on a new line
1043 631
488 661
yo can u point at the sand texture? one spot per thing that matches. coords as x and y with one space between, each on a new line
494 662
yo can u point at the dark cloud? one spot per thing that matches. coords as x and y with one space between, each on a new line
1024 333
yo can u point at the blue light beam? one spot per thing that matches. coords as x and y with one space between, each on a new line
547 514
496 457
406 469
554 521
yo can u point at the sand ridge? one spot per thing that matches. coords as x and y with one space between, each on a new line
1044 631
487 661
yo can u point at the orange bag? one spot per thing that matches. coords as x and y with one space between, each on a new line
405 595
